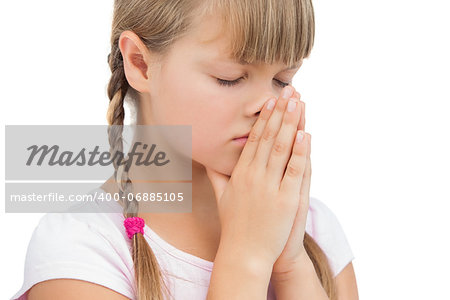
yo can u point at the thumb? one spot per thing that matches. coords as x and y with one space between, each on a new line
218 181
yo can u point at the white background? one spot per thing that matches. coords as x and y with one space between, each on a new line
376 89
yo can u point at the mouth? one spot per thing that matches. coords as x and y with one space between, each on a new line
242 139
243 136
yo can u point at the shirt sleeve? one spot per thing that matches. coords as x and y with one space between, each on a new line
327 232
64 245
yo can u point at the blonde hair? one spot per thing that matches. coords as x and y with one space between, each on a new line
266 31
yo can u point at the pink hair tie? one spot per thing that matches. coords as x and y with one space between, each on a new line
134 225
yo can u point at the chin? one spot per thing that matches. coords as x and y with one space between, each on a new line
224 166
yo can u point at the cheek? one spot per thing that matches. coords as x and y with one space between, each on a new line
210 132
190 100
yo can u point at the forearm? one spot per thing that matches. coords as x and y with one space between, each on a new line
236 277
302 284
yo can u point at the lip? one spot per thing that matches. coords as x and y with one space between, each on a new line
241 141
243 136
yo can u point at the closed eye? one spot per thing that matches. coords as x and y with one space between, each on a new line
224 82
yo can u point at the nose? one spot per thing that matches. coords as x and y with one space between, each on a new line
264 95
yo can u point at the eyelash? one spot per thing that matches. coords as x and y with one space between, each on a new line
228 83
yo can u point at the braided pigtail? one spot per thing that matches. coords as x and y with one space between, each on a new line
148 275
321 266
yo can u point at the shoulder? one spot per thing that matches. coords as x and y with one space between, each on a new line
85 246
324 227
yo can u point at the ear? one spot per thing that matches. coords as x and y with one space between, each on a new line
135 60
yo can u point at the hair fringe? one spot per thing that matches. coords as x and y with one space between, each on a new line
266 31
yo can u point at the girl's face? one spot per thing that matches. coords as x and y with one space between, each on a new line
184 90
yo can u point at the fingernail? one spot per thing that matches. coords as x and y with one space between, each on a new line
299 137
291 105
271 104
287 92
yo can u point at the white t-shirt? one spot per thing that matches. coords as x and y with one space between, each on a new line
94 247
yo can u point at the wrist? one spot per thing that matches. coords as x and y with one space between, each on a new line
234 258
302 266
249 277
301 282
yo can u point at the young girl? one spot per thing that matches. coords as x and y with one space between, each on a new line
225 68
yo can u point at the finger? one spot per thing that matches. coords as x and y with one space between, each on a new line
218 182
281 150
251 145
300 218
301 124
305 187
267 138
293 176
303 117
306 181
